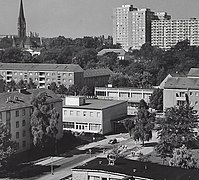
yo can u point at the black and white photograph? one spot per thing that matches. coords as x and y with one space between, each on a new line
99 90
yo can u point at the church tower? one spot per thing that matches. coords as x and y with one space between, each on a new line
21 22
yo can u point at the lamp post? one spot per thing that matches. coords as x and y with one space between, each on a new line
52 171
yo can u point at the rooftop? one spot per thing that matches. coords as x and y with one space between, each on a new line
16 100
193 72
41 67
120 52
96 104
139 169
182 83
97 72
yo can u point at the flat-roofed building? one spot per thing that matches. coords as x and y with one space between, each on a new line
167 33
126 169
91 115
175 90
16 111
97 77
120 53
43 74
132 95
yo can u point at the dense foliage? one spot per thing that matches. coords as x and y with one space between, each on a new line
44 121
7 146
142 68
156 100
143 123
176 129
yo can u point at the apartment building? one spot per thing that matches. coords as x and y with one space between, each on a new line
167 33
16 110
175 90
132 26
92 115
43 74
132 95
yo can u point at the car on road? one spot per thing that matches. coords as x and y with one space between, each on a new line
112 141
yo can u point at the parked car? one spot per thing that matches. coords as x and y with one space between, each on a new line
112 141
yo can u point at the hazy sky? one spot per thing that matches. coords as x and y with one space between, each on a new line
78 18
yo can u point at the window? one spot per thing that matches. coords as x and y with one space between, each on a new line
24 143
23 123
196 103
23 112
98 114
196 93
93 178
82 126
65 112
91 114
70 74
0 116
15 73
64 74
70 125
21 73
94 127
24 133
17 124
84 113
30 73
70 80
17 135
78 113
71 113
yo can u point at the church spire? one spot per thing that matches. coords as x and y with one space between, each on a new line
21 22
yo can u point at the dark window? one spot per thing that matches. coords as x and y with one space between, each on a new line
17 113
17 124
17 135
23 123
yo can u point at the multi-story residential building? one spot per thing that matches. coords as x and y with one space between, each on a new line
16 110
43 74
167 33
132 95
112 168
97 77
175 90
132 26
92 115
1 84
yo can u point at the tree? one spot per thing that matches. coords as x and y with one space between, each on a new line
129 125
7 146
182 158
156 100
176 129
11 86
53 87
43 123
144 123
21 84
85 91
31 84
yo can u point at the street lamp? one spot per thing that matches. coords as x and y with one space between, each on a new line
52 171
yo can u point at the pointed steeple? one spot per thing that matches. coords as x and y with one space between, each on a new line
21 22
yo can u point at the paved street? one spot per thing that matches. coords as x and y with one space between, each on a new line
65 164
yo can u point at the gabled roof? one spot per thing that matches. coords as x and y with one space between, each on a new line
193 72
41 67
97 72
120 52
182 83
140 169
15 100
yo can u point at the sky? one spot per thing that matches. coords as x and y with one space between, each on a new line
78 18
